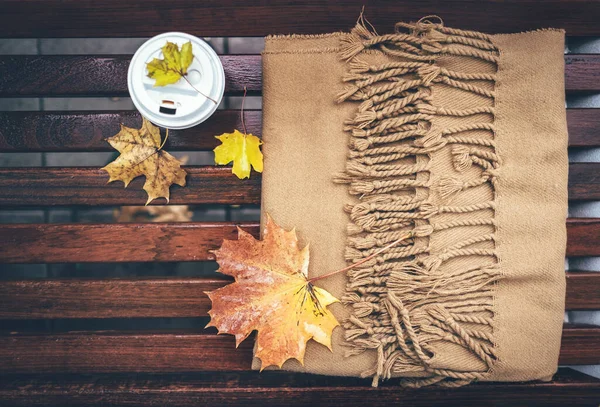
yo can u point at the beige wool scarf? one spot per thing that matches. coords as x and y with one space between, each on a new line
456 137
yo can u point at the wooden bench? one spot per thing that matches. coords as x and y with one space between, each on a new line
197 367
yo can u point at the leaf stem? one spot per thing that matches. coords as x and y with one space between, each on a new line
366 259
196 89
242 112
164 141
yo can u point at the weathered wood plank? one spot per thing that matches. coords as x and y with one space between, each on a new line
83 75
70 243
583 236
162 242
113 18
103 352
85 131
584 182
78 75
169 297
65 186
114 298
88 186
581 71
123 352
584 127
267 389
580 345
583 290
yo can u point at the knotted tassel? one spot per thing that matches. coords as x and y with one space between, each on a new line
350 46
346 94
422 231
366 118
357 169
353 229
360 144
359 66
449 186
363 309
427 210
461 158
429 73
431 263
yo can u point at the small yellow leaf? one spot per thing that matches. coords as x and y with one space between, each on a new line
271 294
174 65
141 155
242 149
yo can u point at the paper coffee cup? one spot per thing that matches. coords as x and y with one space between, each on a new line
179 105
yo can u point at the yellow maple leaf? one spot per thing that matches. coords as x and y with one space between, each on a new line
141 154
174 65
271 294
242 149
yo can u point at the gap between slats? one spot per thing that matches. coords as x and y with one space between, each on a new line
166 242
177 351
86 75
169 297
85 131
87 186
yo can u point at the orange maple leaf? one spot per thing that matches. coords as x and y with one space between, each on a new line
271 294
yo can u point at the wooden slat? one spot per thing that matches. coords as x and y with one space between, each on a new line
72 243
88 186
584 182
583 291
114 298
103 352
85 131
113 18
79 75
55 243
580 345
584 127
123 352
583 236
55 186
582 72
568 388
169 297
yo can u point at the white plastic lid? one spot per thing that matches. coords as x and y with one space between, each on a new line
177 106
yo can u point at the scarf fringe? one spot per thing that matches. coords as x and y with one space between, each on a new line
401 301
